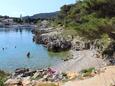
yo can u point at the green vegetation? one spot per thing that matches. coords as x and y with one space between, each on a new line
90 18
1 82
17 20
3 76
88 72
62 55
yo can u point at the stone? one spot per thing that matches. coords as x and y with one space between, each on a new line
53 43
13 82
26 81
21 70
72 75
57 45
36 75
28 73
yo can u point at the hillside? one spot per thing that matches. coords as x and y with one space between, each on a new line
90 18
42 16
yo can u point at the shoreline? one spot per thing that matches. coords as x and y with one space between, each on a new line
69 68
81 60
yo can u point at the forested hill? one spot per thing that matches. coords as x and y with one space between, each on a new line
91 18
43 15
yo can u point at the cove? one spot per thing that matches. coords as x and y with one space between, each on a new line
14 46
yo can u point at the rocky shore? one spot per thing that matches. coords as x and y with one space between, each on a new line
52 41
82 60
27 77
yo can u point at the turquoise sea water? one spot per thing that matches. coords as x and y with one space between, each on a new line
17 44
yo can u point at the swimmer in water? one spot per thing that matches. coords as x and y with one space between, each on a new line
28 54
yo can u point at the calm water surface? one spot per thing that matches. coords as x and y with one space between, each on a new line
16 44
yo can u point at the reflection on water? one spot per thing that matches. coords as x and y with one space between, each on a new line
62 55
14 46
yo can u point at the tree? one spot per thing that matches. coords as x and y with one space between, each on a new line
91 18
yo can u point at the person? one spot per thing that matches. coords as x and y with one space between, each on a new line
2 48
28 54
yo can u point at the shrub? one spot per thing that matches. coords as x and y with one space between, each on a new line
2 81
87 72
3 76
90 18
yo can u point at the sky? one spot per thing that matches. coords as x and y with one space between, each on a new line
29 7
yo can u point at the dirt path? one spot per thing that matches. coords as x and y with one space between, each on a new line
104 79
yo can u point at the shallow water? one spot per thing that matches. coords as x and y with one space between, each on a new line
17 44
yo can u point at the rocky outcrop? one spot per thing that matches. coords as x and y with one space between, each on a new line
53 43
109 53
80 44
59 45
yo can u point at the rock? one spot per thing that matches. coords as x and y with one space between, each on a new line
36 75
78 45
45 77
58 77
19 82
21 70
109 53
70 37
93 74
27 82
53 42
66 59
30 77
28 73
112 61
72 75
42 39
59 45
13 82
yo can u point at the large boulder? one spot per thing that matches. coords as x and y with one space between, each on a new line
59 45
41 39
19 82
21 70
13 82
29 73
